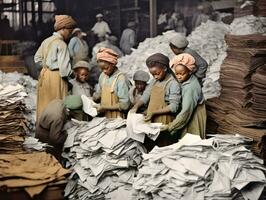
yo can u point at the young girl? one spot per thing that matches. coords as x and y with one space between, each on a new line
192 117
113 86
80 85
163 93
162 97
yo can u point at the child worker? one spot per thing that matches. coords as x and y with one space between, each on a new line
162 96
192 117
140 79
80 84
113 86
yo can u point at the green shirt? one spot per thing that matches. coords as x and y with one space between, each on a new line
191 96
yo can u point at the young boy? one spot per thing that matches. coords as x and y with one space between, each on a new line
113 86
192 117
80 85
140 78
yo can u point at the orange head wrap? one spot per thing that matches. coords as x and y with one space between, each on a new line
64 21
184 59
107 55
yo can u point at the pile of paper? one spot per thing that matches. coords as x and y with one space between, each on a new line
32 172
208 41
29 85
221 167
248 25
102 156
241 108
12 109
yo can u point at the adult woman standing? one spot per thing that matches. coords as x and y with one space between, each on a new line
53 57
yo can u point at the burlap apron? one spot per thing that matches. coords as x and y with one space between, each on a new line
108 98
197 123
50 85
157 102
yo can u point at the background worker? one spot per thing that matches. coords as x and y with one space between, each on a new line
113 86
101 27
179 44
78 47
53 56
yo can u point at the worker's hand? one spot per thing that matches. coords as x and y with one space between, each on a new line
163 128
133 110
148 117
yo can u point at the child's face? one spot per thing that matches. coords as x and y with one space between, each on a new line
140 86
107 68
157 72
182 73
82 75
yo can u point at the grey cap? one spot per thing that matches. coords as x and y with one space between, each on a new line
99 15
82 64
179 41
141 75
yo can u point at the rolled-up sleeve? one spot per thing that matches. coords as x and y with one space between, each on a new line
173 95
122 92
63 60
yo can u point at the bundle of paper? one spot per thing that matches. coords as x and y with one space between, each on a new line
12 109
29 86
221 167
102 155
32 172
242 104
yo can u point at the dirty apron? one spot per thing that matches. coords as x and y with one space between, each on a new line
197 123
157 101
50 85
109 98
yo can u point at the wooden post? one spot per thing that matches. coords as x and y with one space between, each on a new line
33 13
153 18
21 14
40 11
26 12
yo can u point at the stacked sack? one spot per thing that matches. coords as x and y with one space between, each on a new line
241 108
221 167
102 156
